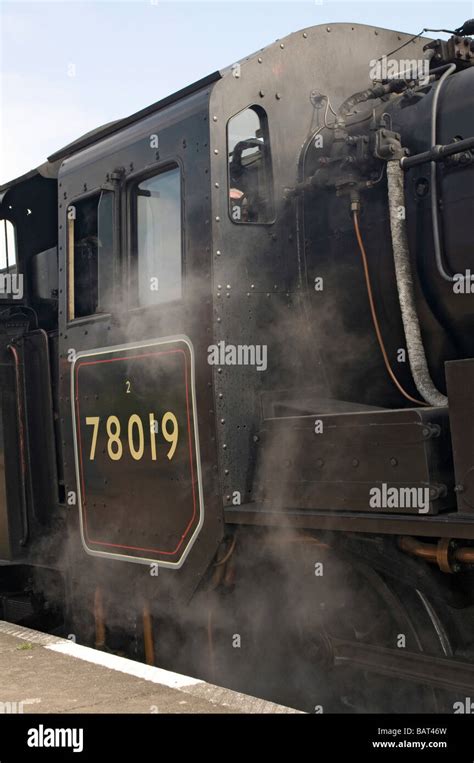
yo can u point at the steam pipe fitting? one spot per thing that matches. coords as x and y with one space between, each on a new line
361 97
445 553
437 153
404 279
434 179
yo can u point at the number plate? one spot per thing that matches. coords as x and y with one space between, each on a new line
137 451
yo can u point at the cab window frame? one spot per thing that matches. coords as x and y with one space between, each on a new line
70 256
265 126
133 181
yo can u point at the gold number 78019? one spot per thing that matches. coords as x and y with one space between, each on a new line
169 429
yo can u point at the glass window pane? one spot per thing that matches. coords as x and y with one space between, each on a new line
250 175
159 238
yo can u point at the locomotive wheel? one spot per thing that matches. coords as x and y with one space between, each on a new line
284 604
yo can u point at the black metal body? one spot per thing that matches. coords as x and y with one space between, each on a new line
254 455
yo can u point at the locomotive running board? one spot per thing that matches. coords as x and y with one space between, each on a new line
440 672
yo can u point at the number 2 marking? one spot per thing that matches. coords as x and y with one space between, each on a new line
128 387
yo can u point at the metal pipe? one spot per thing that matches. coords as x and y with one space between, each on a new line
49 385
21 437
210 642
434 553
148 636
437 153
417 548
465 555
406 295
228 554
99 619
373 312
372 93
434 180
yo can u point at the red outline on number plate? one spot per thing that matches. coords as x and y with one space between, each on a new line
84 502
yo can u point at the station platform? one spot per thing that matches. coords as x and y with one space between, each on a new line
40 673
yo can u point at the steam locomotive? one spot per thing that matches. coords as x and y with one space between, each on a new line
236 358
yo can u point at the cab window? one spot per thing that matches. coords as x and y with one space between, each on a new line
90 255
158 238
249 171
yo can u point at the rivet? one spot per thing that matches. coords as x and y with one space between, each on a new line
224 447
328 29
305 35
261 93
219 370
278 96
281 45
355 462
228 286
216 150
226 471
217 218
222 421
219 320
216 185
219 286
252 286
218 252
220 395
259 60
214 118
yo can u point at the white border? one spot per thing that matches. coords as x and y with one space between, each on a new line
133 346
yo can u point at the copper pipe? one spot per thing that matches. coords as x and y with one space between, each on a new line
99 619
417 548
228 554
210 642
444 553
464 555
148 636
373 312
220 567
